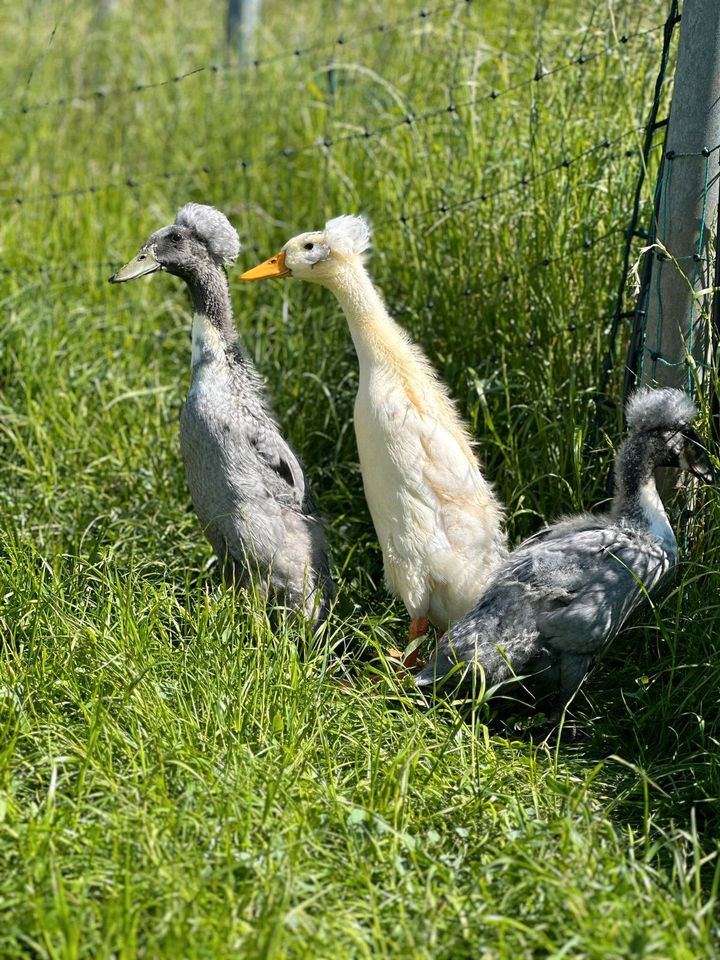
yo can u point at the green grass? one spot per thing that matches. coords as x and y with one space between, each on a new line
177 779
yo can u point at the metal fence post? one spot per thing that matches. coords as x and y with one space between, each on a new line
242 20
687 203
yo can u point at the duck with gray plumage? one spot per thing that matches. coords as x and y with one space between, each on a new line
563 594
246 483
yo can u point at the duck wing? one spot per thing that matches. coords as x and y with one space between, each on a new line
284 476
554 604
585 583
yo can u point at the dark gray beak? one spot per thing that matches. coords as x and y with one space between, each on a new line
696 461
703 470
142 264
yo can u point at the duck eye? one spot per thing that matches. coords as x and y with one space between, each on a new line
309 246
175 238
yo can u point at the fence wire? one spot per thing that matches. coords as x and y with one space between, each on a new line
633 233
434 213
441 211
131 181
292 53
101 94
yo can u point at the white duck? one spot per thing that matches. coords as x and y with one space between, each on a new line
439 524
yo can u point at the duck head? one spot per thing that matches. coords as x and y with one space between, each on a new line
318 256
660 420
200 236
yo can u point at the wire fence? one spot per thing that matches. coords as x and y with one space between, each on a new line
449 111
432 214
294 53
101 94
130 180
646 355
442 210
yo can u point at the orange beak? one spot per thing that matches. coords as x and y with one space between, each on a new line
274 267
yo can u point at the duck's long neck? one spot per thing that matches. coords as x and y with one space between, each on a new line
213 333
373 330
636 495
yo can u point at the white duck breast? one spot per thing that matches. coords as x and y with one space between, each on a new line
435 516
563 595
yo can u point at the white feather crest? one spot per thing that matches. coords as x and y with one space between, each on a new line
213 228
348 235
660 409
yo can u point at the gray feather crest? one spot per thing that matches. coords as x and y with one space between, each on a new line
663 409
213 228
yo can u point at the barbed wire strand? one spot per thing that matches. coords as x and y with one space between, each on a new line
492 95
522 182
101 268
217 69
291 53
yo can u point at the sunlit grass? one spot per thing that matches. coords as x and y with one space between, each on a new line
179 778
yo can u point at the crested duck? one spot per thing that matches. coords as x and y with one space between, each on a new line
563 594
438 521
246 483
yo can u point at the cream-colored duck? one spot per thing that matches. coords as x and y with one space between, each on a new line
438 522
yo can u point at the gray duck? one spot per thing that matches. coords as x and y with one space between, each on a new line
246 483
563 594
